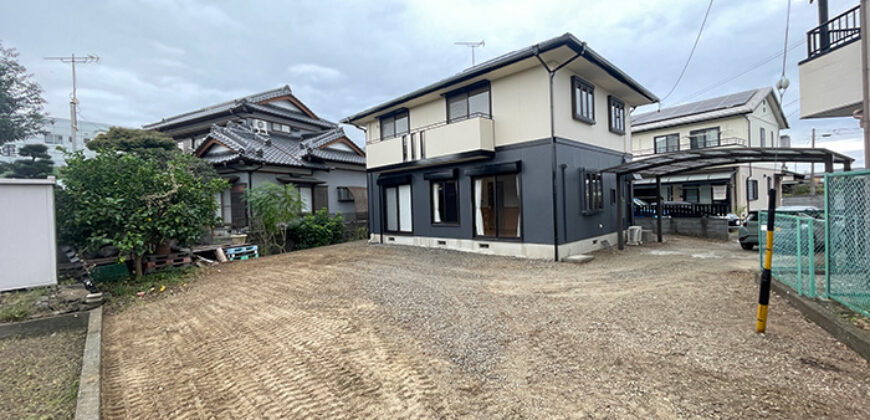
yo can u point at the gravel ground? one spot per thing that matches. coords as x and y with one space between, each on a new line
40 375
355 330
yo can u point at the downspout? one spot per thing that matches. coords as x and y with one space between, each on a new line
551 73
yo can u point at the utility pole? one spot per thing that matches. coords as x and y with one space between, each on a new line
73 102
471 45
813 166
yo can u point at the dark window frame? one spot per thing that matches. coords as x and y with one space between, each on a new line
495 202
583 86
668 138
591 196
751 189
466 93
392 117
694 133
615 115
343 194
432 183
422 145
398 210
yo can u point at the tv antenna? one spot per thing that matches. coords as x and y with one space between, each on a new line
73 101
471 45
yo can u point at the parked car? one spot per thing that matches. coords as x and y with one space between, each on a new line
748 233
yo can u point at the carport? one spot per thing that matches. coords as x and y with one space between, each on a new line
691 160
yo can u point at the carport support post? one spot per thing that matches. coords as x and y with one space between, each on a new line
620 210
659 210
764 286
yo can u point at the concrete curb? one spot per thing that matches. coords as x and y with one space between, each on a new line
856 338
88 405
45 325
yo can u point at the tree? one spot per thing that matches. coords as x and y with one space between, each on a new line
273 208
21 103
39 165
130 140
133 202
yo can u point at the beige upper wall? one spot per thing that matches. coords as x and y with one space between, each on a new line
597 134
830 85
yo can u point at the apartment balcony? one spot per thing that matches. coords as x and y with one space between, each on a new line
686 144
471 138
830 76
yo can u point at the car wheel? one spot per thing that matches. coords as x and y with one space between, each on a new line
747 247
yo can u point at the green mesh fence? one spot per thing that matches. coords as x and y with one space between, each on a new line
798 251
847 209
826 256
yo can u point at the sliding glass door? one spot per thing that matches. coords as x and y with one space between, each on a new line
497 206
397 208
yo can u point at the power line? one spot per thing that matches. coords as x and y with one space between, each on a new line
73 103
691 53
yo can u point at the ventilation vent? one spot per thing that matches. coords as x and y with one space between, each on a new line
391 239
442 242
483 246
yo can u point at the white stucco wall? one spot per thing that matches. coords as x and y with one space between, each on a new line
28 251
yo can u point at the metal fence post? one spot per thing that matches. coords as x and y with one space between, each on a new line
827 238
799 244
812 245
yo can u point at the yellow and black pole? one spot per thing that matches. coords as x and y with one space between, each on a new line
764 291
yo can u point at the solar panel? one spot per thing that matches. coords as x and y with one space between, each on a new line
707 105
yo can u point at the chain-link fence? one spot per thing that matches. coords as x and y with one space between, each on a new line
827 256
847 216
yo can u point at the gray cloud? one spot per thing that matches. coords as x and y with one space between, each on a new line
163 57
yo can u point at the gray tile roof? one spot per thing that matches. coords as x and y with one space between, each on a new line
708 109
251 102
276 149
566 39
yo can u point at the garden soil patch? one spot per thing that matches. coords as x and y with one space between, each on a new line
356 330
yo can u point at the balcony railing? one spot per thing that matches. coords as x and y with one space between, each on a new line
685 144
835 33
683 210
455 140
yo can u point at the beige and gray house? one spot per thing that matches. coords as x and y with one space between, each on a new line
504 157
752 118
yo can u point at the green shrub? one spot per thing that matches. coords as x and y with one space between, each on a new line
273 208
317 229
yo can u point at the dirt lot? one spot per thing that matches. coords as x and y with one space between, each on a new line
40 375
664 330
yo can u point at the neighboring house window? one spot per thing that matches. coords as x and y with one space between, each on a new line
690 194
344 194
445 202
617 115
751 189
394 125
583 100
700 139
592 191
497 206
668 143
469 103
397 203
761 136
53 139
305 196
8 150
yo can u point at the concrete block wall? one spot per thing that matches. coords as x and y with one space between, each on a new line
703 227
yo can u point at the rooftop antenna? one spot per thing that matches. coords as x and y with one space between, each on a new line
73 101
471 45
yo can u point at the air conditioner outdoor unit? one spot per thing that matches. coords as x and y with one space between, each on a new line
260 127
634 235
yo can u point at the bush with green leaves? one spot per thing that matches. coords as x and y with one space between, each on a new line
134 202
273 209
38 165
317 229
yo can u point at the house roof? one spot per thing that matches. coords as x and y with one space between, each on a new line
566 39
242 143
709 109
257 101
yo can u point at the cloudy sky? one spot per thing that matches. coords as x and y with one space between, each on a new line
164 57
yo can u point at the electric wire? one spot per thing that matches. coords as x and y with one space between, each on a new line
691 53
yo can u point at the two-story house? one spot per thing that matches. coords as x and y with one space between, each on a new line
272 137
752 118
504 157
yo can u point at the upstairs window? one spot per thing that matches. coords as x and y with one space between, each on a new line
394 125
667 144
592 191
583 100
700 139
469 103
617 115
